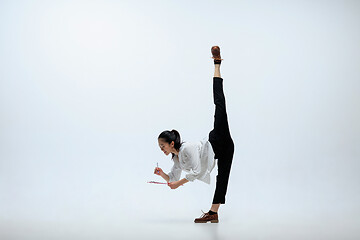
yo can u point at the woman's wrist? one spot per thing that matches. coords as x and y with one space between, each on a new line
183 181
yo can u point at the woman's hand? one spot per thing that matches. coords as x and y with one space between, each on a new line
174 185
158 171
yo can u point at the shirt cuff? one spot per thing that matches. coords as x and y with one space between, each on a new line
171 177
190 177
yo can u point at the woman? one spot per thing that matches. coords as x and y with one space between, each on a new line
198 158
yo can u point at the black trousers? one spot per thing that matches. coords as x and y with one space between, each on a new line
221 142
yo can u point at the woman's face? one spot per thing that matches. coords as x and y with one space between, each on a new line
166 147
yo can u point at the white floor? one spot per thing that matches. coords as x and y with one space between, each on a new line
173 228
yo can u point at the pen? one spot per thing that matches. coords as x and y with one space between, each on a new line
157 165
157 182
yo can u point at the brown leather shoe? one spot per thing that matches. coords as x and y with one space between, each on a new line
215 50
207 217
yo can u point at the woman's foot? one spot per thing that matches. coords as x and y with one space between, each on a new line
206 217
215 50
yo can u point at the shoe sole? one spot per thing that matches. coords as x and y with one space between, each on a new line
212 221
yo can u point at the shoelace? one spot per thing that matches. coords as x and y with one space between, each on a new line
204 214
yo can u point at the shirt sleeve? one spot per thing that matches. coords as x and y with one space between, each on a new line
193 156
175 173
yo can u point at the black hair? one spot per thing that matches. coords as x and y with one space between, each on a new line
170 136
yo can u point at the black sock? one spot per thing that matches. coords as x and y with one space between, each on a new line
212 213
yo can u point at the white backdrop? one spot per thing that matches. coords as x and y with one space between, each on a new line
87 86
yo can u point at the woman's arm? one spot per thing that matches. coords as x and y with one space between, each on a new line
165 176
175 173
193 163
160 172
183 181
174 185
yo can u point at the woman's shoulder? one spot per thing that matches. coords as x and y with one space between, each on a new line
187 147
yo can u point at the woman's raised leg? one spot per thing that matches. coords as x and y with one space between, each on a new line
220 135
217 71
221 142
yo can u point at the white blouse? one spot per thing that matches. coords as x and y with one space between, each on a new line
195 158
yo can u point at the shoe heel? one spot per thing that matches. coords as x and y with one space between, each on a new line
214 221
